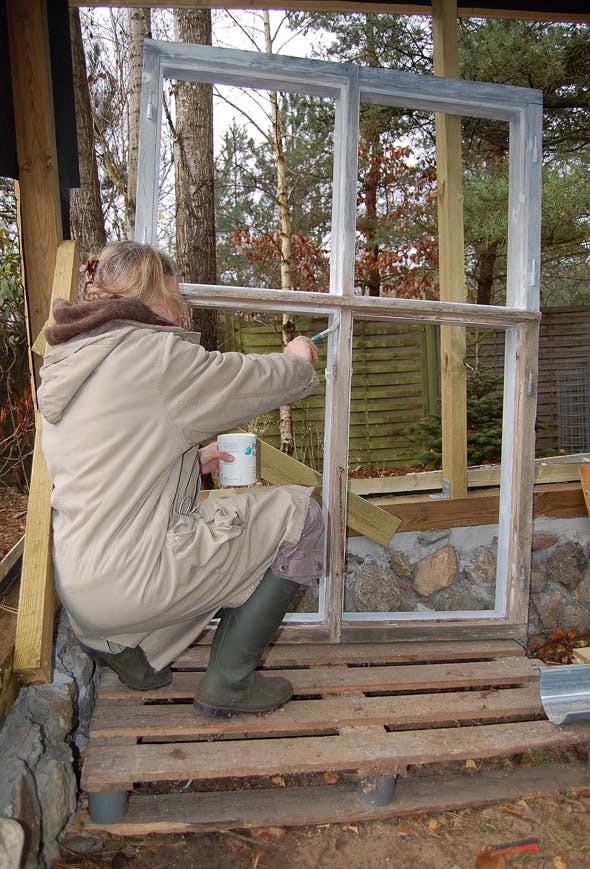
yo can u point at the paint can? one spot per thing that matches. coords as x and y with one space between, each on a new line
242 446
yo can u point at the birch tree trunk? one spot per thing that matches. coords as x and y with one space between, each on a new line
194 170
288 326
139 28
86 214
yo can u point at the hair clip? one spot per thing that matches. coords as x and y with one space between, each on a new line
89 268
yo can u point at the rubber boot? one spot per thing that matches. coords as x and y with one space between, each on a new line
132 668
231 683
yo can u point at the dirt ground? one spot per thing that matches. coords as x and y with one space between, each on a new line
555 830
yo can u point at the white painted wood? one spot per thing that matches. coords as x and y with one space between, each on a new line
148 160
347 86
524 210
419 310
442 94
339 351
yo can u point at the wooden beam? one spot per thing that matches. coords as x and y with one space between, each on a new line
422 513
34 629
40 211
553 469
451 257
476 11
362 516
65 286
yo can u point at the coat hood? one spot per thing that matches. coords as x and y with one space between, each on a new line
82 336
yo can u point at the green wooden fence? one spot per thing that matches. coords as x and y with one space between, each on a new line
396 378
394 384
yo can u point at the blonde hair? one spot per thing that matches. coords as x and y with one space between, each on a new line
130 270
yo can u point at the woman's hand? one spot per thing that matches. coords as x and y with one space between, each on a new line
209 457
302 347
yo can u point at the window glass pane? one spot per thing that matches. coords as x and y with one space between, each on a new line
447 562
261 332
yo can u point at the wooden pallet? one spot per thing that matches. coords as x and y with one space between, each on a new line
358 711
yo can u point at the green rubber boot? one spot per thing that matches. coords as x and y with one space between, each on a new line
132 668
231 683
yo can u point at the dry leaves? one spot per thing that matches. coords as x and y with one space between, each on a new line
331 778
486 860
559 646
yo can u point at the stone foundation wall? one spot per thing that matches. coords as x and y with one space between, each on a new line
40 743
455 569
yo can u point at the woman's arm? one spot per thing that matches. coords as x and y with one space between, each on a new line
211 392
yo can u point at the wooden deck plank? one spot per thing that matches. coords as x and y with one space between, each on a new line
336 679
312 654
114 720
363 750
340 803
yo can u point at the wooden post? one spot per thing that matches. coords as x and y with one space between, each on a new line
40 213
451 258
34 627
584 472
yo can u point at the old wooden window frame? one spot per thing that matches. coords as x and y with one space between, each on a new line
348 86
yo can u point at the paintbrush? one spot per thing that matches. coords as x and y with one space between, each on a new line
320 335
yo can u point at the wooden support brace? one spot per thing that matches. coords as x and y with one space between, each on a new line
362 516
34 627
584 470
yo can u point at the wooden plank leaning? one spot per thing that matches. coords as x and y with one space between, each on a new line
36 610
362 516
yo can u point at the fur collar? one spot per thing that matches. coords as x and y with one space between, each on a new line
77 319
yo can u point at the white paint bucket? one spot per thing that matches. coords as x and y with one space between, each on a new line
242 446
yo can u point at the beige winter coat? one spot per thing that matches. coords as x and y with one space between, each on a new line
124 409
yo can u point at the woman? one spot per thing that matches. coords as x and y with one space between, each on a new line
140 564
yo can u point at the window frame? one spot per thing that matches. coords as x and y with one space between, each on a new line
348 86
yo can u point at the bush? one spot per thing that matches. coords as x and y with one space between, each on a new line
484 422
17 418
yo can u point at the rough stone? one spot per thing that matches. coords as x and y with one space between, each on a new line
465 600
544 540
538 581
549 607
566 564
56 785
427 538
19 737
583 590
576 618
482 567
81 843
50 706
12 842
534 622
376 590
436 571
19 801
79 667
401 564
